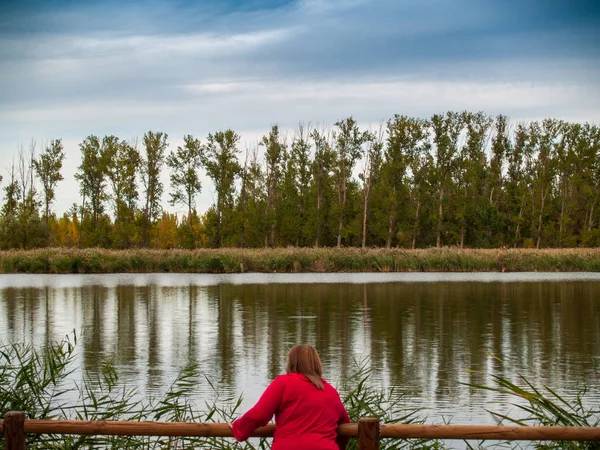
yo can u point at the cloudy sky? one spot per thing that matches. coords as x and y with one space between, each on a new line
71 68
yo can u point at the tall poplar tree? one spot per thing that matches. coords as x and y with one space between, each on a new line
122 164
275 157
155 144
348 142
91 175
185 178
47 168
407 138
219 159
321 181
472 207
370 175
446 130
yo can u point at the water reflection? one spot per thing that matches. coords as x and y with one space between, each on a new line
427 338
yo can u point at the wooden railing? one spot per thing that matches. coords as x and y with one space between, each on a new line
368 431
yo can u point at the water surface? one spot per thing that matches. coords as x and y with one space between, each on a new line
424 333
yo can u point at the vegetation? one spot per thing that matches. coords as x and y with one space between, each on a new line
545 407
37 383
459 179
228 260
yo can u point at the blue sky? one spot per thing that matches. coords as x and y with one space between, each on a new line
73 68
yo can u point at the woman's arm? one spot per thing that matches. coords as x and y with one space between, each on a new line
342 441
261 413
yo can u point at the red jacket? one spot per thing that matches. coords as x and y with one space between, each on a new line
306 417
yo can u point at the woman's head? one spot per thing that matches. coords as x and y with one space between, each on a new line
304 359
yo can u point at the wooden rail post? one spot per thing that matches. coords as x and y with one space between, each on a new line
368 434
14 430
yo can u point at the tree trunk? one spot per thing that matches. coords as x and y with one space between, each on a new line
341 223
518 229
147 219
365 212
219 224
539 228
591 218
416 226
193 241
391 219
438 240
47 210
388 242
273 234
318 218
561 221
463 225
81 221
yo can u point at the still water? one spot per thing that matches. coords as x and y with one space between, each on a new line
425 333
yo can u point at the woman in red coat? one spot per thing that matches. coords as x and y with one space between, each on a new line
307 409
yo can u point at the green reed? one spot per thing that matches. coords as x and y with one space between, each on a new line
37 382
288 260
543 406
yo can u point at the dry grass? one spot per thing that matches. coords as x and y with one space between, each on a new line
230 260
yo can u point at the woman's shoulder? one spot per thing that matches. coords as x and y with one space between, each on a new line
328 386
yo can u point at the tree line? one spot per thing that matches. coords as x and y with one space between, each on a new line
456 179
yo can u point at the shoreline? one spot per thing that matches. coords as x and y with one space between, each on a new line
297 260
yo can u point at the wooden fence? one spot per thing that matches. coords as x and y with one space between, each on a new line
368 431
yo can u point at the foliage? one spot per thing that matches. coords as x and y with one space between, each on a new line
220 162
228 260
544 406
39 383
456 179
185 180
47 168
155 144
363 400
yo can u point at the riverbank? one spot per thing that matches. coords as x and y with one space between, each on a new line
293 260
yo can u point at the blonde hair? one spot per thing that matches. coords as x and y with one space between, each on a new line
304 359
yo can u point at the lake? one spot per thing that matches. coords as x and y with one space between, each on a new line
426 333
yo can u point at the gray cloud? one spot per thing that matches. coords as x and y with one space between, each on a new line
83 68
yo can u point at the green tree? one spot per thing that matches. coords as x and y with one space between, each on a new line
122 164
47 167
321 182
219 159
420 188
185 180
446 131
155 144
519 179
9 224
21 223
501 146
370 175
275 157
92 180
472 182
348 149
545 171
250 218
407 139
588 158
293 214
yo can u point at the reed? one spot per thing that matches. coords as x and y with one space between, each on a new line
543 406
37 383
288 260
